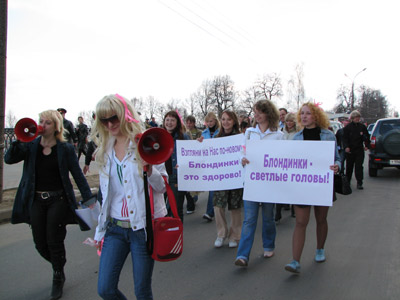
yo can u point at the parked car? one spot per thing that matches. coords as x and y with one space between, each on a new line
385 145
370 127
335 125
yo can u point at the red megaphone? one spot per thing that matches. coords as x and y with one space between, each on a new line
155 145
27 130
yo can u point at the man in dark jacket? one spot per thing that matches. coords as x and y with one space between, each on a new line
82 132
70 135
355 142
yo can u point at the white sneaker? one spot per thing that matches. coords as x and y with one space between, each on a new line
219 242
233 244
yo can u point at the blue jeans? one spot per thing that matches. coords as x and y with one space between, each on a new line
118 242
250 225
210 204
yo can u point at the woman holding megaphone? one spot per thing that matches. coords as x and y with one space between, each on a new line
122 221
45 198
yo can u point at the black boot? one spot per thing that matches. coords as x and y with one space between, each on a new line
58 284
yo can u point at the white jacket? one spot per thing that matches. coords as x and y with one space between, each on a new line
133 185
254 133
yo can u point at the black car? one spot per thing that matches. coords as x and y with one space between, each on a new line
385 145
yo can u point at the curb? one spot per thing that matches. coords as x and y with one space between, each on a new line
5 215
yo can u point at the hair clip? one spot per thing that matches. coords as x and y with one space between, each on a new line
318 104
180 117
128 115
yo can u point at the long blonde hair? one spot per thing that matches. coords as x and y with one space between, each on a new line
291 117
211 115
58 121
108 106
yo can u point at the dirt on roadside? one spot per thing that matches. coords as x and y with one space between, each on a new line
9 195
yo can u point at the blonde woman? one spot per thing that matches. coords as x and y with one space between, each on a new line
210 132
290 127
45 198
315 125
123 216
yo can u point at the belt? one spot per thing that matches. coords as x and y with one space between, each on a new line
120 223
45 195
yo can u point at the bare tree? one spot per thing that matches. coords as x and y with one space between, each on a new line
203 97
222 93
270 85
247 100
296 90
343 98
11 119
194 109
139 105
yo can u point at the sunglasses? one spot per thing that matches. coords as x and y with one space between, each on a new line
113 119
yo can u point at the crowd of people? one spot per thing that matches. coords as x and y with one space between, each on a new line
45 198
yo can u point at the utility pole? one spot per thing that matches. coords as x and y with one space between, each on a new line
3 60
352 88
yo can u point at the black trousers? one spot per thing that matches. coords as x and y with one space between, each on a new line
49 229
355 160
190 205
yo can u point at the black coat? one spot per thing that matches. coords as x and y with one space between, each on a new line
67 162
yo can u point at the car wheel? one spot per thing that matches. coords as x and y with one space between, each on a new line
391 142
372 172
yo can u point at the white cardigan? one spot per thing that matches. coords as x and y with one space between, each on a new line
254 133
133 185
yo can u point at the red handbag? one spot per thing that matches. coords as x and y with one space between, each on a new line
165 234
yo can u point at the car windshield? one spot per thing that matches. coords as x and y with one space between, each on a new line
388 125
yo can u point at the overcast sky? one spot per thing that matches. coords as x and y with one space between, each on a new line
70 53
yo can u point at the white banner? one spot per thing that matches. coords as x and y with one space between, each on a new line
294 172
211 165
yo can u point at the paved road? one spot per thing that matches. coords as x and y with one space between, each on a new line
363 260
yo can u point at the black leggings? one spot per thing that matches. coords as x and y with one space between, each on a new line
49 229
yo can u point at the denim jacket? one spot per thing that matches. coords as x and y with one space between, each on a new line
207 135
67 162
325 135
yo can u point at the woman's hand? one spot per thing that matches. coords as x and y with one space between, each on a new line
85 169
147 167
245 161
334 168
200 139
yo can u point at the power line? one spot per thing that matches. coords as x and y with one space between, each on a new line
209 23
192 22
246 36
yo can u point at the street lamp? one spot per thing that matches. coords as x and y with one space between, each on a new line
352 87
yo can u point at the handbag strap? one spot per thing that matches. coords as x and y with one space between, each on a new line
171 200
149 223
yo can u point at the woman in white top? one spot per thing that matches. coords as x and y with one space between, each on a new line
266 118
122 221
